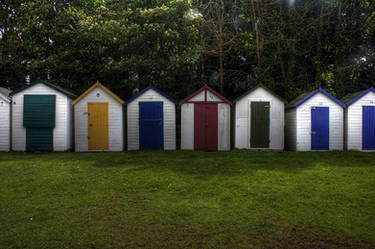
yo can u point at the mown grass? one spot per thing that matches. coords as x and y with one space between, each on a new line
185 199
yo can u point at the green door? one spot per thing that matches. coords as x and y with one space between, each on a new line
39 139
39 121
260 125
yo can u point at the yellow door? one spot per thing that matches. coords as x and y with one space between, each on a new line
98 126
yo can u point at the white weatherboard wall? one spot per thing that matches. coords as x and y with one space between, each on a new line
115 120
63 120
187 122
298 122
354 121
169 118
243 119
4 123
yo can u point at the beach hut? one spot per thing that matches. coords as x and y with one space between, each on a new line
360 120
259 120
314 121
151 120
42 118
5 105
98 120
205 121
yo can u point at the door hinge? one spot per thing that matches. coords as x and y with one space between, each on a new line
88 137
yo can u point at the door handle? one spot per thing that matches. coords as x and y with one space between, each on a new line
91 125
313 133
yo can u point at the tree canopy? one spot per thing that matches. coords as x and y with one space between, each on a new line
291 46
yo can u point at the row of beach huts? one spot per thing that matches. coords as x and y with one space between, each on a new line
43 117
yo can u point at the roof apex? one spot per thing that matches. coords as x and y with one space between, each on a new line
95 85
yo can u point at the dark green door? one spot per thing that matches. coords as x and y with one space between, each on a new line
39 121
39 139
260 125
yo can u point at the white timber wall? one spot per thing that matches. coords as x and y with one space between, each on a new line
4 123
187 126
169 118
336 123
187 122
115 120
62 119
291 129
243 119
223 129
354 121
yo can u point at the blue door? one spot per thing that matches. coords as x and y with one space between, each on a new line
368 128
151 125
320 128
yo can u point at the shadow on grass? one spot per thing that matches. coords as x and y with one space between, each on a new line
230 163
197 162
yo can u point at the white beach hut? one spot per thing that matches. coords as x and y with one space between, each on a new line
259 120
314 121
42 118
360 120
98 120
5 111
205 121
151 120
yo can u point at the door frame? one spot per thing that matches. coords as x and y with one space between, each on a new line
363 123
249 120
162 125
206 148
311 132
107 145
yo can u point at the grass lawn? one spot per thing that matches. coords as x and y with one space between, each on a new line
185 199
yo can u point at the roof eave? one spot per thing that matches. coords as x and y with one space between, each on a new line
371 89
153 88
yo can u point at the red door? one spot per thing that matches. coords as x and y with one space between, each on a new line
205 126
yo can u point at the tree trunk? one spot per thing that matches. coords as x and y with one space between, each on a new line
221 45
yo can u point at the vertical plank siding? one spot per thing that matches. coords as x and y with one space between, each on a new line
187 126
115 120
291 129
4 123
169 116
354 119
188 120
243 119
303 123
63 117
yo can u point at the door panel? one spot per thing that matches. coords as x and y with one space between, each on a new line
151 125
98 126
205 126
39 139
368 128
39 111
260 125
320 128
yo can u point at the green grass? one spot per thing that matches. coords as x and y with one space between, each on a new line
180 199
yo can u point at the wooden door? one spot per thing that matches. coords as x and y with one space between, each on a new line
260 125
368 128
205 126
320 128
151 125
98 126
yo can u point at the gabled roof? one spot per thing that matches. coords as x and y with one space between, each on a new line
98 84
65 92
156 90
306 96
206 87
351 98
4 94
265 88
